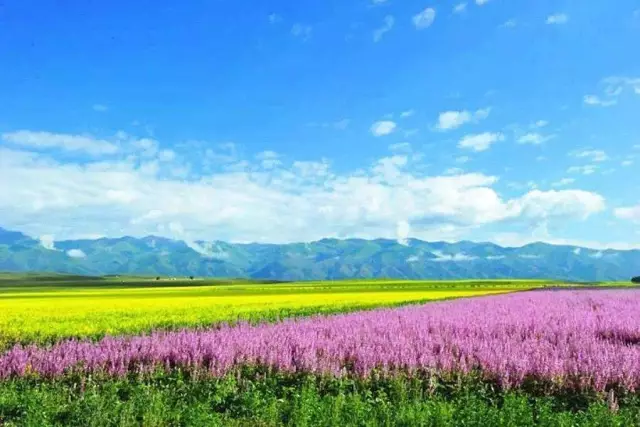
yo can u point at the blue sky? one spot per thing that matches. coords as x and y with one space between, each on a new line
507 121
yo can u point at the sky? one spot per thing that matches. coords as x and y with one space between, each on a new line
508 121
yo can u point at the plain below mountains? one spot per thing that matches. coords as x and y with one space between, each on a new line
325 259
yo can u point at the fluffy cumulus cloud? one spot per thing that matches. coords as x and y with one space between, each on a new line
76 253
265 197
47 241
449 120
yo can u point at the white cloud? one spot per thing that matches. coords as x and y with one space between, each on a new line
401 147
596 101
628 213
47 241
558 18
615 85
538 204
301 31
454 171
626 163
76 253
591 155
64 142
403 229
276 202
540 124
459 257
453 119
584 170
424 19
511 23
449 120
481 141
387 25
407 113
517 240
460 7
563 182
100 108
481 2
534 138
383 127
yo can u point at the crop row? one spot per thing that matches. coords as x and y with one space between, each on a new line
576 339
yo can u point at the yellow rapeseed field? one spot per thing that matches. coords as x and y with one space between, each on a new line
46 316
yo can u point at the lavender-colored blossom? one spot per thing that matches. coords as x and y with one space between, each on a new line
573 338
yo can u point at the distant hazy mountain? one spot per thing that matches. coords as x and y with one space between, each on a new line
324 259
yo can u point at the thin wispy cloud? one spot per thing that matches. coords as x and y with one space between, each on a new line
557 19
534 138
563 182
480 142
274 18
594 100
583 170
385 28
65 142
591 155
301 31
511 23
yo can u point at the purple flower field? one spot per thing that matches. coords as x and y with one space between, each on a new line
578 339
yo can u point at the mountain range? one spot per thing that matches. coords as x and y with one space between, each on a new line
320 260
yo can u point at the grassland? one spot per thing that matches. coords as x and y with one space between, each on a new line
44 309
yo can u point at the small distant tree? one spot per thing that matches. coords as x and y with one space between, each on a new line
636 280
158 278
191 277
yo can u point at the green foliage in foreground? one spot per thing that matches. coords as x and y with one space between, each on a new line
274 400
